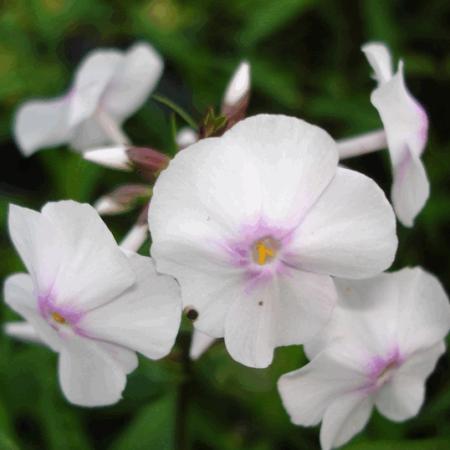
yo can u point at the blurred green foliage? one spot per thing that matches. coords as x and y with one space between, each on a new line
306 61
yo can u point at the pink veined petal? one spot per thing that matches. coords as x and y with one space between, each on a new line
308 392
89 375
21 297
138 74
403 395
199 344
404 119
145 318
346 416
91 80
380 59
349 232
410 189
42 123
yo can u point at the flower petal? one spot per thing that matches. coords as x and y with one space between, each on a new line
303 306
349 232
347 416
410 189
308 392
402 397
380 59
199 344
250 327
20 296
208 284
239 85
23 331
89 134
404 119
295 161
89 375
423 310
93 268
145 318
91 79
111 157
137 76
42 123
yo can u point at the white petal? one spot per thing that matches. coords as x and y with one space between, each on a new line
410 189
423 310
380 59
294 162
20 296
89 375
349 232
346 417
89 134
199 344
145 318
404 119
401 397
250 327
207 284
93 268
23 331
38 243
308 392
132 83
108 206
42 123
239 85
91 79
303 306
112 157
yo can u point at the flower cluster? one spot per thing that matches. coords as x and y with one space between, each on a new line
257 233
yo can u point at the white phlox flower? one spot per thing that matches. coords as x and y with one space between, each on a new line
406 125
88 300
254 223
382 343
109 86
199 344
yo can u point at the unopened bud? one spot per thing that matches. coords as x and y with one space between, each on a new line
185 137
123 199
147 161
112 157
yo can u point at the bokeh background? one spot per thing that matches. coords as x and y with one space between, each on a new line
306 61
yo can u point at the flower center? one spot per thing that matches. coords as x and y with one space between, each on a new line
265 250
58 318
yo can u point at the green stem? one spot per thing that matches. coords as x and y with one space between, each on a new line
177 109
183 398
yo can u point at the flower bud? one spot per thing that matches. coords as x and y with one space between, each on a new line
111 157
147 161
122 199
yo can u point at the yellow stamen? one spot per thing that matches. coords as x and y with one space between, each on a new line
58 318
265 250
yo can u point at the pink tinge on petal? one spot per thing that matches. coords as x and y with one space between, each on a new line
381 368
58 315
261 250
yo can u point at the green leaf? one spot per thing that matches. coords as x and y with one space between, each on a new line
152 428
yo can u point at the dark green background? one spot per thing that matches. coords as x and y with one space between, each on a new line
306 61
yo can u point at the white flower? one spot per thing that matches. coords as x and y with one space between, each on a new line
112 157
406 126
252 224
88 300
384 340
186 136
109 86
